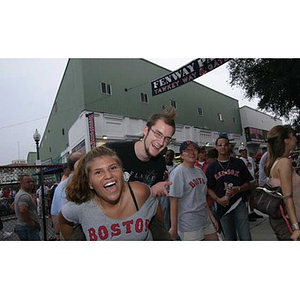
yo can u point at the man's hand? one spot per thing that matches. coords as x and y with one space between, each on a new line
160 189
173 233
223 201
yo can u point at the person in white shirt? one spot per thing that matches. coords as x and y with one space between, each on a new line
262 177
249 162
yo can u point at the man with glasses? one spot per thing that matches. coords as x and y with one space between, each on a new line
230 204
143 160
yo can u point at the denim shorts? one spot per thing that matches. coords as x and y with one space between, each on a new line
27 233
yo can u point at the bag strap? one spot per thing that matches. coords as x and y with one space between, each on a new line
285 219
133 196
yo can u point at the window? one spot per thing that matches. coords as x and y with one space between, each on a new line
63 131
220 117
234 120
200 111
144 98
106 88
173 103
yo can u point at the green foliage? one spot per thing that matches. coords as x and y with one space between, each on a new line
276 82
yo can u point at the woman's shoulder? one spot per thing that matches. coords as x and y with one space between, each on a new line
284 161
141 191
281 167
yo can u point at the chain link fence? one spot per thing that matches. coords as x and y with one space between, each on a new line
45 178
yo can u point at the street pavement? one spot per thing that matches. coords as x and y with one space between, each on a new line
261 229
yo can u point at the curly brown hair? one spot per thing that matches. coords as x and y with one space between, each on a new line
78 188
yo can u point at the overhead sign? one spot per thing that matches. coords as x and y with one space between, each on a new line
256 135
185 74
92 131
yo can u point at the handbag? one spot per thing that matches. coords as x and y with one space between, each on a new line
269 200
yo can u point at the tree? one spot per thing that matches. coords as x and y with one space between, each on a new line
276 82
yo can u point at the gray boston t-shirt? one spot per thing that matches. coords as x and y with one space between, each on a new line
97 226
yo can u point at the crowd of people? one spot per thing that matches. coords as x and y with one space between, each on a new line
137 190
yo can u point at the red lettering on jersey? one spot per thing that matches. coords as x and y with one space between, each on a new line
147 222
115 229
139 225
127 224
102 232
92 234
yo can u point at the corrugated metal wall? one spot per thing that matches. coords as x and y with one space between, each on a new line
80 89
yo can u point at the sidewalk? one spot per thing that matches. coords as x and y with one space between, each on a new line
261 230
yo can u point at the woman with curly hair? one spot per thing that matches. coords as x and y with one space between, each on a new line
281 141
107 207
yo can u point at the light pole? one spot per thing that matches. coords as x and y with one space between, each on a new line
37 138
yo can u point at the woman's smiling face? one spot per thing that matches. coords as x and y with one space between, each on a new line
106 178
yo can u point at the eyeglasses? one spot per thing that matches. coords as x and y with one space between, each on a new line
223 145
160 136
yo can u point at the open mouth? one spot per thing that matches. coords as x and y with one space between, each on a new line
111 186
156 146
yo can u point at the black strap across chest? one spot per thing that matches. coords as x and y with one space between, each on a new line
133 196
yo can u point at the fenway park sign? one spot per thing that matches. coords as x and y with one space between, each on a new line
185 74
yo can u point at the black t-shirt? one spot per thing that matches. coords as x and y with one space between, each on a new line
234 171
149 172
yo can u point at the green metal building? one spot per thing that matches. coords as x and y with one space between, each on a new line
122 87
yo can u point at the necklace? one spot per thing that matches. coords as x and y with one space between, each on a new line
226 168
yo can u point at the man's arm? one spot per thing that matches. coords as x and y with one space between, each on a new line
55 210
174 217
160 189
26 215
